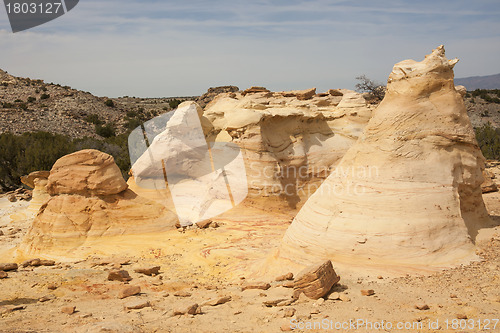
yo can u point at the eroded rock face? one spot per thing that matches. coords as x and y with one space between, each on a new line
408 193
87 172
91 207
290 139
38 181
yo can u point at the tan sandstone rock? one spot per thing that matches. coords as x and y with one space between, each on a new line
316 280
87 172
289 144
488 185
129 291
89 203
30 179
407 195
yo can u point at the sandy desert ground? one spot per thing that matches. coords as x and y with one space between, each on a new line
203 265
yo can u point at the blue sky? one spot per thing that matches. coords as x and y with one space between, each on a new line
179 48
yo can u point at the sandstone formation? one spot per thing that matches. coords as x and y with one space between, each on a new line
88 202
407 195
285 142
88 173
37 180
203 180
211 93
290 139
488 185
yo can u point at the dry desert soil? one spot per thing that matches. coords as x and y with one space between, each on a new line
207 266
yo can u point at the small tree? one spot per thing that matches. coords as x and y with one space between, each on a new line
375 90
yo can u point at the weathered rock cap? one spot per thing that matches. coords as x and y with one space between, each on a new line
29 180
316 280
300 94
87 172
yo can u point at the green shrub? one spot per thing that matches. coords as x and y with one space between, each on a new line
7 105
109 103
22 154
488 138
43 88
93 119
45 96
18 101
105 131
23 106
31 99
132 114
173 103
132 123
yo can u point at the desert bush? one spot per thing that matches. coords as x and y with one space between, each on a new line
93 119
105 131
486 95
7 105
109 103
132 123
375 90
132 114
488 138
173 103
45 96
31 99
22 154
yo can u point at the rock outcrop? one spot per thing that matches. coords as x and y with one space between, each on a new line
290 140
88 202
407 195
88 173
37 180
211 93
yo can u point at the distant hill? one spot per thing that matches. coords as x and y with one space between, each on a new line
480 82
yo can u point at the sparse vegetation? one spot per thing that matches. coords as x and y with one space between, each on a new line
375 90
109 103
130 124
93 119
22 154
45 96
173 103
105 131
488 138
490 96
31 99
